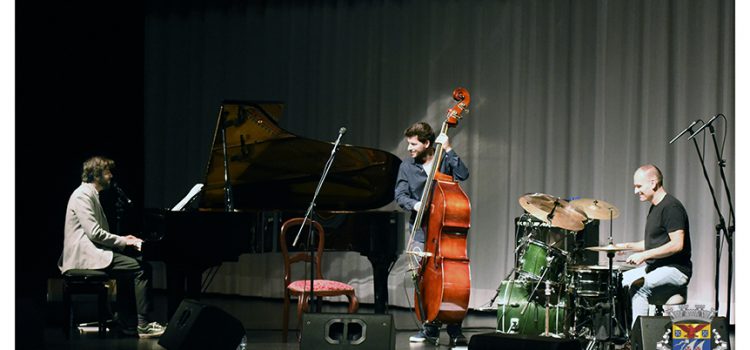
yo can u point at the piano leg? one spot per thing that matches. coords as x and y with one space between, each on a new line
380 270
175 289
182 282
193 284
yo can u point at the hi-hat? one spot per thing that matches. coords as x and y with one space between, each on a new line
596 209
608 248
555 211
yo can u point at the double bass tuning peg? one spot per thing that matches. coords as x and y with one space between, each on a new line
457 113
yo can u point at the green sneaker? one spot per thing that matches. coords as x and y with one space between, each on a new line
151 330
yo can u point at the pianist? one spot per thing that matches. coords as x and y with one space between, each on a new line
88 244
412 175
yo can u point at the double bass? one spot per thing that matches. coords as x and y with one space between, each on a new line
443 278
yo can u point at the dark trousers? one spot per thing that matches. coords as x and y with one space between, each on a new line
432 329
132 275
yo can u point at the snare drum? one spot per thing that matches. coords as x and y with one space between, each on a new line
591 280
540 261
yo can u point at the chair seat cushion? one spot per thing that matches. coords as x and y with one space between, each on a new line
320 286
677 297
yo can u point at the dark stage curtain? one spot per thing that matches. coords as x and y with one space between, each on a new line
568 99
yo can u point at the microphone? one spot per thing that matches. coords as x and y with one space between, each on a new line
122 194
684 131
342 131
704 126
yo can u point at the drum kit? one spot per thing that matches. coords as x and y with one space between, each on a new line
550 292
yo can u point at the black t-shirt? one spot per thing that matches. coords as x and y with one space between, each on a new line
668 216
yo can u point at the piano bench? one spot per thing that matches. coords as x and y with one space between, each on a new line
85 282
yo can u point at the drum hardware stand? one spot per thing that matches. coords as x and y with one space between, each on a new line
531 294
551 214
608 342
547 293
610 295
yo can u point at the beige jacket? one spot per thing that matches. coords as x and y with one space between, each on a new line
88 243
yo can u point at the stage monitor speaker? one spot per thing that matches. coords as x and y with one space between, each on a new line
335 331
648 330
494 340
199 326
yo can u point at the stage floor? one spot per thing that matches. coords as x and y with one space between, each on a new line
262 320
257 339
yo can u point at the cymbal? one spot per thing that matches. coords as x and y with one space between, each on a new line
555 211
596 209
608 248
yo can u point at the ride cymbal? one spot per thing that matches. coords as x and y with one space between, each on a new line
555 211
596 209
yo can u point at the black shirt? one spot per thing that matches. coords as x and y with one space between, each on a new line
668 216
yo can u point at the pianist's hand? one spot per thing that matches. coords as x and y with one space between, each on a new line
133 241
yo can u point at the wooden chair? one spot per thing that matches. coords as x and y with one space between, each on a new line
301 288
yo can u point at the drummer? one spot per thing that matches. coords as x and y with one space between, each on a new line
665 248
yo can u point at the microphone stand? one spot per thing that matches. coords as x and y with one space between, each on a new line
119 214
326 168
121 204
228 192
721 226
728 231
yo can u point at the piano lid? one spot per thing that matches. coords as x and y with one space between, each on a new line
271 168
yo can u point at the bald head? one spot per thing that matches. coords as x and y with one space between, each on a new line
651 172
648 184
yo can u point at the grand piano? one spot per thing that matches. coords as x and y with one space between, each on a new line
258 175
